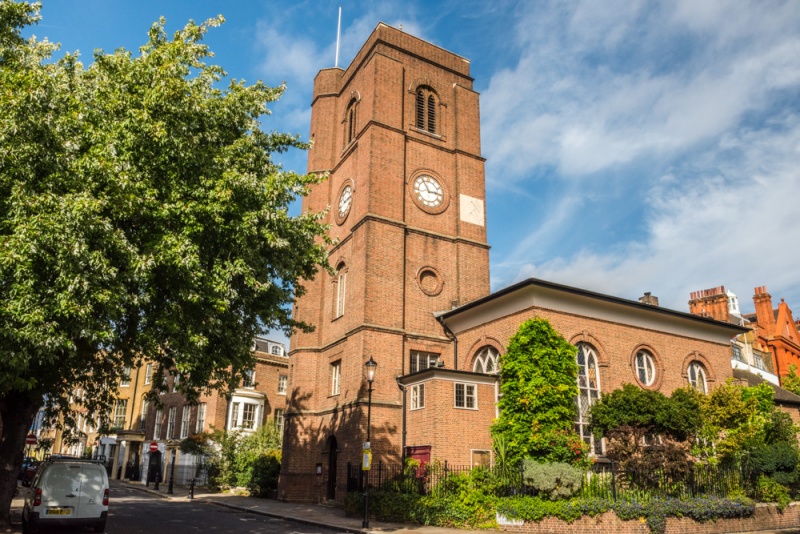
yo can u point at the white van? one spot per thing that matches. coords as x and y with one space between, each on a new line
67 492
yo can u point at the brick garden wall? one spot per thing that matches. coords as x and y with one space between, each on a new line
766 518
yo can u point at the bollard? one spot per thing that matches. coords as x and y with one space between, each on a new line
158 479
191 489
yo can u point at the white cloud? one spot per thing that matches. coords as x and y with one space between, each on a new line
687 111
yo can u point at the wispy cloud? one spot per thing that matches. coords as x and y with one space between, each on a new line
687 108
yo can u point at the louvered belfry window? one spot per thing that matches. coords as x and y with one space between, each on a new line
426 110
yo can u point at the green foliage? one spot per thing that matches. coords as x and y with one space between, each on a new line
778 461
792 380
142 217
650 412
734 420
235 460
249 453
552 481
647 431
769 490
265 471
538 385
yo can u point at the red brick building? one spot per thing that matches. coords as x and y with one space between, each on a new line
398 133
772 342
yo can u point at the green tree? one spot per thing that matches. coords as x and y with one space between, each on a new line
791 381
734 420
538 382
645 428
142 216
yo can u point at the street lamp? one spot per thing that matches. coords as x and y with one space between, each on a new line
369 371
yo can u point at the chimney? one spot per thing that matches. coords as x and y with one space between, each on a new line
649 299
710 303
765 316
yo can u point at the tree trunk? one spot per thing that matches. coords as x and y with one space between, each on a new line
17 411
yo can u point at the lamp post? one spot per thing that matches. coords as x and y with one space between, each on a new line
369 371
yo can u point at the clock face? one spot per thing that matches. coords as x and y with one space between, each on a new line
345 199
428 191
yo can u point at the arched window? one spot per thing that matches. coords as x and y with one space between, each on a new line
426 110
697 377
486 361
588 394
341 288
350 120
645 368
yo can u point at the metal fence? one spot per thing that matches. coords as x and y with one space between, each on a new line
603 480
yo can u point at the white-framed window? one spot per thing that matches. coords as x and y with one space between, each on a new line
417 392
419 361
466 396
697 377
282 384
481 458
341 291
249 379
486 361
645 368
276 350
171 422
159 423
125 377
175 381
201 418
588 394
143 416
148 373
235 415
119 413
249 415
279 421
185 421
336 377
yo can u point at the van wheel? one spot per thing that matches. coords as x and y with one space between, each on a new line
100 528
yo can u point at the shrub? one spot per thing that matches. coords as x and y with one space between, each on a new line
538 382
552 480
771 491
778 461
266 469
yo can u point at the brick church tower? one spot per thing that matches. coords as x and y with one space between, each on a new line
398 132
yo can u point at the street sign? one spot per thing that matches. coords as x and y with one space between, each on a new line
366 460
153 446
30 439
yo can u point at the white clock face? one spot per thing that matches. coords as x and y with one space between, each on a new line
428 191
344 201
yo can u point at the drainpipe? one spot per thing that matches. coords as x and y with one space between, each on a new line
455 341
403 424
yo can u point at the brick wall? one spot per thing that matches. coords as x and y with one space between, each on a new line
766 518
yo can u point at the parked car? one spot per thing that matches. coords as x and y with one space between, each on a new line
29 472
67 492
28 460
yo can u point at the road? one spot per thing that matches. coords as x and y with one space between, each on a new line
136 512
132 512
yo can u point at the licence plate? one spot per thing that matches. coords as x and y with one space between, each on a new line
59 511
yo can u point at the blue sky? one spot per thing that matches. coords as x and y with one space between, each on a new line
631 146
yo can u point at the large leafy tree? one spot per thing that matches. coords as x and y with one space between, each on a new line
538 382
141 217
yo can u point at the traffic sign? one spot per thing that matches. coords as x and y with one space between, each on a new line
30 439
153 446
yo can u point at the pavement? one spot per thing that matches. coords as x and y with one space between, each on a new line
318 515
